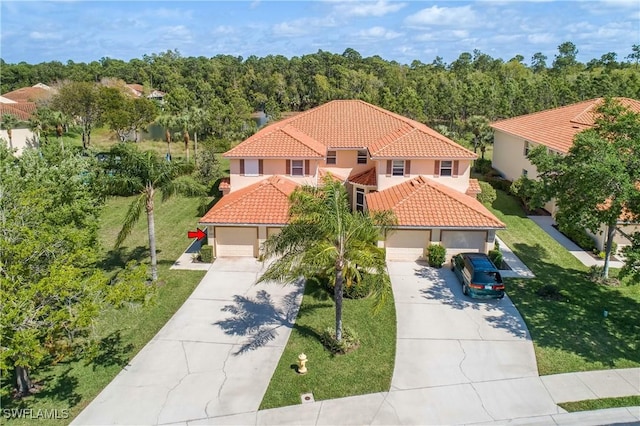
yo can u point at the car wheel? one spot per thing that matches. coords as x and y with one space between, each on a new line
465 291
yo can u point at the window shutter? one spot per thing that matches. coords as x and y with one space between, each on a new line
260 168
306 167
241 167
456 165
388 167
407 167
436 168
288 172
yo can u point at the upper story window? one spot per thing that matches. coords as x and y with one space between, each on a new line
251 168
297 168
332 157
446 168
397 168
525 172
526 148
362 156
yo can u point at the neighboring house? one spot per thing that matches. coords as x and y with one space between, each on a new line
21 103
138 91
385 160
556 129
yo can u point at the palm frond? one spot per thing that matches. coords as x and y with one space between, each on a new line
132 217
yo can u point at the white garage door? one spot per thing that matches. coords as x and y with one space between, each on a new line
236 241
463 241
404 244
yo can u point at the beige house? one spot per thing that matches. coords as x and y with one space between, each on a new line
556 129
386 161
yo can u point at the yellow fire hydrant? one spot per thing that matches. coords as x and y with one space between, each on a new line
302 361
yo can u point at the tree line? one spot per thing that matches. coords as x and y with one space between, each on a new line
437 93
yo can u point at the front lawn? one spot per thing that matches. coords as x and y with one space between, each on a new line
601 404
570 334
365 370
73 383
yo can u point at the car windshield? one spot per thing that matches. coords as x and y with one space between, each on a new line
485 277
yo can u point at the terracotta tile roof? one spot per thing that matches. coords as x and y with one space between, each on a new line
367 178
29 94
225 183
557 127
425 203
322 172
264 202
349 124
20 110
474 187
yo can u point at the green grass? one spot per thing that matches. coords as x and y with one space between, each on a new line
72 384
368 369
600 404
571 334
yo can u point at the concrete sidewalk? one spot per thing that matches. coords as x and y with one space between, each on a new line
547 222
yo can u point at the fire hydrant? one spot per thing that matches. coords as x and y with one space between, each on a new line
302 361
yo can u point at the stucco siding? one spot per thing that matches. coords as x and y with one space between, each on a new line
509 158
20 138
271 167
425 168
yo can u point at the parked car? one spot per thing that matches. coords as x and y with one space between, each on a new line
478 275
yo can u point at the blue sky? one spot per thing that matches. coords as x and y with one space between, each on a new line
84 31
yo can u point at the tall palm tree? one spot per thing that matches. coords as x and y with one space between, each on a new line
60 121
482 133
198 118
325 238
8 123
167 121
144 173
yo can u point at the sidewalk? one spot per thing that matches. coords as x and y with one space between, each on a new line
547 222
518 268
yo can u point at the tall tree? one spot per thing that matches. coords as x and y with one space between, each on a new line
167 121
143 173
596 183
8 123
325 238
50 290
80 100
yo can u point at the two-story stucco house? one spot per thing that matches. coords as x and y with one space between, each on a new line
556 129
386 162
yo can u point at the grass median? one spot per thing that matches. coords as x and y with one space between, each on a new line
569 330
368 369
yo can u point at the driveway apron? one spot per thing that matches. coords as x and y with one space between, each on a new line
214 358
459 360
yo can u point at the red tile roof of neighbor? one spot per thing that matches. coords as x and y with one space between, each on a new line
20 110
349 124
264 202
28 94
425 203
368 177
556 128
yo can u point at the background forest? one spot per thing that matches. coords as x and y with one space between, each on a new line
437 93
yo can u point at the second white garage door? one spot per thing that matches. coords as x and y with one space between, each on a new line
236 241
404 244
463 241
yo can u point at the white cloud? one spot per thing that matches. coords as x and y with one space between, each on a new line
224 29
378 33
300 27
454 35
443 16
37 35
368 8
542 38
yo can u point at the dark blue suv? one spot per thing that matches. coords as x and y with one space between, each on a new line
479 276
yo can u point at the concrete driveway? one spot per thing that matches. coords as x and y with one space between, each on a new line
459 360
214 358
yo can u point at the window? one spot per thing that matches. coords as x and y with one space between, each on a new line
525 172
251 168
359 199
362 157
526 148
446 168
397 168
297 168
331 157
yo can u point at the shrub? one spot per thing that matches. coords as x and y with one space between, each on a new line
499 183
576 234
206 253
483 166
349 342
551 292
436 255
359 290
496 257
488 194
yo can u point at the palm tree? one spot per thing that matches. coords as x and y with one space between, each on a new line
167 121
143 173
60 121
325 238
482 133
8 123
198 118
